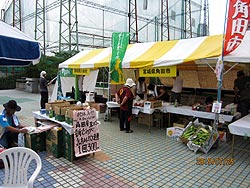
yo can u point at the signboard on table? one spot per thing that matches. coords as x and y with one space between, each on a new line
158 71
86 132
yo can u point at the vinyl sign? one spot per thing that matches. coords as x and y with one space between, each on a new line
86 132
236 24
81 71
158 71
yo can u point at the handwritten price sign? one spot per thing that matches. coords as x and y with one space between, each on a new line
86 132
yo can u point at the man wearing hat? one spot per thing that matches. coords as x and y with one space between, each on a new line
125 98
10 125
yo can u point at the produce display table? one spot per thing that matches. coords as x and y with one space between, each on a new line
240 127
66 126
187 111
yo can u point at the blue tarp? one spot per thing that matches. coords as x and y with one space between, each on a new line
16 48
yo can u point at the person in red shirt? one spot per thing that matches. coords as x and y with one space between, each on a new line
125 97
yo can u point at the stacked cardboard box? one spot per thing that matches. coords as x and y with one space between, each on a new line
68 146
69 114
35 141
60 111
52 105
54 141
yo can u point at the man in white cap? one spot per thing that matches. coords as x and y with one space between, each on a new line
125 97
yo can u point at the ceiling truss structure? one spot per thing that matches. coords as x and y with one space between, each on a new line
68 34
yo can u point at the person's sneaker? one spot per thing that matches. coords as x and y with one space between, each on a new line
130 131
122 129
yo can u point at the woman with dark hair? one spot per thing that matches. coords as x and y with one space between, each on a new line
141 87
159 92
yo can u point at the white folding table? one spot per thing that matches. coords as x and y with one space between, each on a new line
240 127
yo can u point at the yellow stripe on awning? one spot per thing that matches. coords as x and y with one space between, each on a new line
211 47
88 56
105 62
155 52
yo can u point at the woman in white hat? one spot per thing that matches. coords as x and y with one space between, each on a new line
125 97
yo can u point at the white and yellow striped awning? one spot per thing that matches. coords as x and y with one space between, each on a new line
156 54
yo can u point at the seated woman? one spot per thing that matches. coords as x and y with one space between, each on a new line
158 92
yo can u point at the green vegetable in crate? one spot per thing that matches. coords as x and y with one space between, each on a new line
201 137
189 132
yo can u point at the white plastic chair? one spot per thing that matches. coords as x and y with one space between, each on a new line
16 162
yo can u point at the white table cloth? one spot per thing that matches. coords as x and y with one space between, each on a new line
240 127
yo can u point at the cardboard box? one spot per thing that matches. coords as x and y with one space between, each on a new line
100 107
174 132
60 111
68 146
152 104
53 104
69 113
35 141
54 141
145 119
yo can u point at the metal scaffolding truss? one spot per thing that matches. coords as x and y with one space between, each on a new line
132 19
40 29
17 14
68 29
164 20
186 19
68 23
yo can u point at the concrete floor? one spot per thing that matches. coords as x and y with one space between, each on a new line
138 159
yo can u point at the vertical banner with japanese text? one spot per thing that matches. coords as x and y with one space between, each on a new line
119 45
236 24
86 132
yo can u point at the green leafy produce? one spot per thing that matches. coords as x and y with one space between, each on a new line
201 137
190 131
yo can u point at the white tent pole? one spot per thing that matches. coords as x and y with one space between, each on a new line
230 68
216 119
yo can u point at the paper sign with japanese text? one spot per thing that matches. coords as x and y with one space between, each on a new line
86 132
158 71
